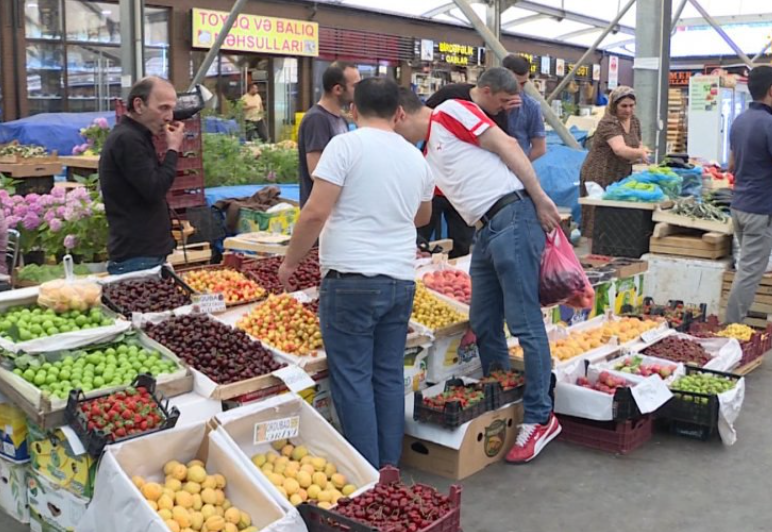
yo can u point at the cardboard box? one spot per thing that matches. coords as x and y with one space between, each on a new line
628 294
13 432
416 367
451 356
282 222
462 452
13 490
53 506
53 458
250 430
117 501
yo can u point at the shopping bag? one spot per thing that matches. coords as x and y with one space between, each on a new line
562 278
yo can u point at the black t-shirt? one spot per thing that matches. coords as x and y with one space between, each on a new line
134 186
463 91
316 131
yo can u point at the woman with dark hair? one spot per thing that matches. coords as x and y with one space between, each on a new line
616 147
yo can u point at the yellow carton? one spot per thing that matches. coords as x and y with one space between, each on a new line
53 458
13 432
282 222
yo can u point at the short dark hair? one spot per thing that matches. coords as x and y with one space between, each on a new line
141 90
335 75
517 64
409 101
254 84
499 80
759 82
377 97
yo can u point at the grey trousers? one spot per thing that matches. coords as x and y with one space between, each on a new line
754 232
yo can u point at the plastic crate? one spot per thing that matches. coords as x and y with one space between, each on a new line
184 198
94 441
697 412
214 267
757 346
166 273
452 415
621 232
190 160
188 179
321 520
33 185
609 436
496 396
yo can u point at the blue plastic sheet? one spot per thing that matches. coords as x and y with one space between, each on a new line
213 124
692 181
670 184
215 194
619 192
558 172
579 134
53 131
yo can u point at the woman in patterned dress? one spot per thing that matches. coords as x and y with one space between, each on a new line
616 147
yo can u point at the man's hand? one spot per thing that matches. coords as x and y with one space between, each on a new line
548 214
513 102
174 135
285 274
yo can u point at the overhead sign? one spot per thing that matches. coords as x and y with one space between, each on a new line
560 68
680 78
458 54
427 50
256 34
582 72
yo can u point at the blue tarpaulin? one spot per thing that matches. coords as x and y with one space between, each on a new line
215 194
558 172
53 131
579 134
212 124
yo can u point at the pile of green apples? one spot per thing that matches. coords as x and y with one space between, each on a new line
21 324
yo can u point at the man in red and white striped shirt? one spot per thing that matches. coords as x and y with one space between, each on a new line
489 180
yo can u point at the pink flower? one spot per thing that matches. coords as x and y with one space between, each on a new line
49 215
55 225
102 122
32 198
31 221
99 207
59 192
60 211
70 241
70 215
13 220
20 209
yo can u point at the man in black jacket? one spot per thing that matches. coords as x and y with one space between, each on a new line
134 183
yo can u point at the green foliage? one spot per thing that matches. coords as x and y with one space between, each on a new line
228 162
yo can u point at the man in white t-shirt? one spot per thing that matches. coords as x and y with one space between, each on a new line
488 179
371 189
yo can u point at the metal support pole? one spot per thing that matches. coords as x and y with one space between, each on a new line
215 49
493 14
132 14
716 26
761 53
588 53
677 16
501 52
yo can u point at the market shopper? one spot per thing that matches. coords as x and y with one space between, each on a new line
254 114
750 140
525 121
489 180
134 183
494 93
324 120
616 146
371 190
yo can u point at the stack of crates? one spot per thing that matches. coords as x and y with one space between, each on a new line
188 188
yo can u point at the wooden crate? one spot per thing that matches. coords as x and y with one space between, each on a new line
196 254
663 214
674 240
749 367
18 171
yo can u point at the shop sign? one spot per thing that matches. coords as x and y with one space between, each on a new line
560 68
256 33
427 50
458 54
546 65
582 72
533 61
680 78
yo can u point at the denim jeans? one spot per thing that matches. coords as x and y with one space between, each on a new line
134 264
364 326
505 284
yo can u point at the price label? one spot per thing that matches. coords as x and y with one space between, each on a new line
295 378
652 336
208 303
277 429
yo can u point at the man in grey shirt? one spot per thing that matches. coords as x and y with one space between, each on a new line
323 121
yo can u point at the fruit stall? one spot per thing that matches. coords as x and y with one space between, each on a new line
198 397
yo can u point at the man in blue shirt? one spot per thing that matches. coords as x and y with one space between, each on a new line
751 162
525 120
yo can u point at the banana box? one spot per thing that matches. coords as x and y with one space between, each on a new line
281 222
13 490
53 459
13 432
415 368
52 508
453 356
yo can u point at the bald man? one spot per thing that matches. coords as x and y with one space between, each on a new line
134 183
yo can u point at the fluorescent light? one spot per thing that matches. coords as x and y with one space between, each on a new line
107 12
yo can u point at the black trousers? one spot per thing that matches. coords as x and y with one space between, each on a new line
458 230
257 129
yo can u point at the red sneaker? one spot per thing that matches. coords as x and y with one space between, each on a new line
532 439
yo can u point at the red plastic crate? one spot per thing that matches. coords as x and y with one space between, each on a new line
190 160
760 342
615 437
321 520
188 179
182 199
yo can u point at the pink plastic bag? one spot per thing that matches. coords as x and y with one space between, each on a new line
562 278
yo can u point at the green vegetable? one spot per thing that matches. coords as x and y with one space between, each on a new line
699 210
41 274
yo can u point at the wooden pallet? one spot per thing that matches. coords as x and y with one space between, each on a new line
674 240
195 254
750 366
663 214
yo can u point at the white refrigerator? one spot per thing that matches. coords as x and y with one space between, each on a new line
712 110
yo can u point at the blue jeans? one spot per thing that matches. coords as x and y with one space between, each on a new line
134 264
364 326
505 284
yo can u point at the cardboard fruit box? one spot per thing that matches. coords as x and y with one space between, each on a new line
117 500
462 452
13 490
250 431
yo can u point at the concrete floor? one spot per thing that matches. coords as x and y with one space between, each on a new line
669 484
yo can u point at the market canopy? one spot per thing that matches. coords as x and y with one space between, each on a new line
580 22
